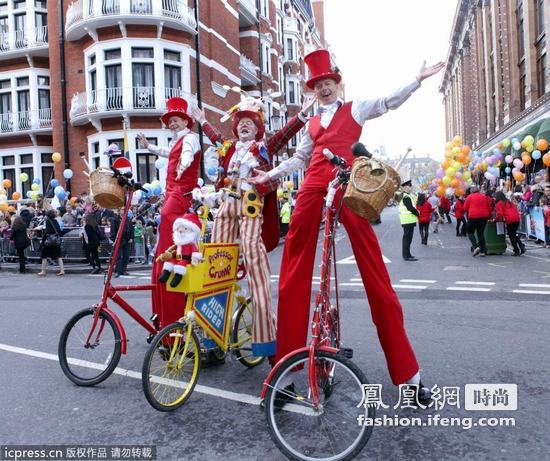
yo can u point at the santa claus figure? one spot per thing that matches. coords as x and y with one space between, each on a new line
185 249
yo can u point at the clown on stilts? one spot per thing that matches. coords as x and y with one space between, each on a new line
247 211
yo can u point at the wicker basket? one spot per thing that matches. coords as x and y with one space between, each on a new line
105 189
367 194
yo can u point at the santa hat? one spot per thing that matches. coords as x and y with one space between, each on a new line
189 220
321 67
176 107
251 108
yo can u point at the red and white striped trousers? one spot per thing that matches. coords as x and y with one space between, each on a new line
230 223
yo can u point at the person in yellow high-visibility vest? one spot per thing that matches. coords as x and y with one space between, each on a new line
408 216
285 217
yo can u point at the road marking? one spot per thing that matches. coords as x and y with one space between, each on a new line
474 283
224 394
534 285
148 277
417 281
468 289
351 260
351 284
532 292
417 287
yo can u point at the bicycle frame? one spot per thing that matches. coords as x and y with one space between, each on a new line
325 315
111 292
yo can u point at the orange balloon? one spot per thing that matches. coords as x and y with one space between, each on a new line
455 183
459 192
499 146
526 159
542 144
466 150
226 181
440 191
546 159
461 157
523 144
11 209
16 195
6 183
445 164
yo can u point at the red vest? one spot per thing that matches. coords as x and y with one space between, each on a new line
188 180
338 137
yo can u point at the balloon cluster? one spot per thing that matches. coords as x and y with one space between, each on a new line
454 174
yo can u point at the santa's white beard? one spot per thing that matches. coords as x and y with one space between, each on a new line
183 239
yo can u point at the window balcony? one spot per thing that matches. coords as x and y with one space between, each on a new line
94 105
29 121
248 14
249 72
86 16
18 43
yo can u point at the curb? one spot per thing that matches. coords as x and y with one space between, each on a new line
69 268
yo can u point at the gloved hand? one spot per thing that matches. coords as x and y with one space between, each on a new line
196 258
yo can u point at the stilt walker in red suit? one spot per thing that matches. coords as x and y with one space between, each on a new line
182 173
250 212
336 127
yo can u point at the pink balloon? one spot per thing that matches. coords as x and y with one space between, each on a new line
518 163
509 159
458 175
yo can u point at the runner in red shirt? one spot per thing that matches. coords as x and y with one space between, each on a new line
425 211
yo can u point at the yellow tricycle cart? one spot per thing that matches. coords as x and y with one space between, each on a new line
215 309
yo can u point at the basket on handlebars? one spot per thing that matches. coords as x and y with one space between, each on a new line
105 189
371 186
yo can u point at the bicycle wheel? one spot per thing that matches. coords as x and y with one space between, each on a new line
89 363
330 433
241 336
171 367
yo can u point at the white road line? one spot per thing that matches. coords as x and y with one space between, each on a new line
474 283
228 395
467 289
534 285
417 281
351 284
351 260
146 278
417 287
532 292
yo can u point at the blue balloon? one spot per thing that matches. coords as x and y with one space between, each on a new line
212 171
160 163
36 181
295 174
29 194
57 190
61 195
507 170
496 151
157 219
220 169
54 183
68 173
157 190
536 154
130 214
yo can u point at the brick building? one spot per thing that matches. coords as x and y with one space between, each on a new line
497 81
105 76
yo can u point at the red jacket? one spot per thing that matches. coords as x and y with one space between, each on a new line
459 209
507 212
445 204
477 205
425 211
546 213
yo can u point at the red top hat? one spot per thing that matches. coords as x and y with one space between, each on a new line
176 107
320 67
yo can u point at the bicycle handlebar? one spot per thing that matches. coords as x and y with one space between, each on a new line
124 179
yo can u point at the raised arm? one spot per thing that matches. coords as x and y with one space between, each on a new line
212 132
160 151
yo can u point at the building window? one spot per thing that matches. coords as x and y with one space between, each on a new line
146 170
95 155
264 8
91 60
120 153
40 4
113 87
23 81
112 54
141 7
522 85
266 59
8 169
291 92
541 67
43 80
17 4
143 53
172 81
539 17
170 55
289 51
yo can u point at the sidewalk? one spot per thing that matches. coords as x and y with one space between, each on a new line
70 268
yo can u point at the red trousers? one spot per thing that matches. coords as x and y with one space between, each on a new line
169 305
297 271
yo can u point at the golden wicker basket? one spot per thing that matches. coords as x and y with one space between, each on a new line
372 184
105 189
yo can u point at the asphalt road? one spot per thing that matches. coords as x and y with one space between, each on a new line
470 320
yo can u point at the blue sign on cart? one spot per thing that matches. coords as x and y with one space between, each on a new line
213 311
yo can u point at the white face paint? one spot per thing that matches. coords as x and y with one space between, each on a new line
246 129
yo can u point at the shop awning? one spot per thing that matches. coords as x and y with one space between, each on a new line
544 130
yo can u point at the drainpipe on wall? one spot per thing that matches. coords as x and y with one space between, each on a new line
260 51
198 78
63 91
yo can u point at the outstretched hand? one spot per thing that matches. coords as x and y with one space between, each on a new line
142 140
426 71
198 115
308 104
260 177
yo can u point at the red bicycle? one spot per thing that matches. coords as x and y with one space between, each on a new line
313 395
93 340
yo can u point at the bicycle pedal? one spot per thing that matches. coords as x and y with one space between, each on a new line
150 338
347 352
